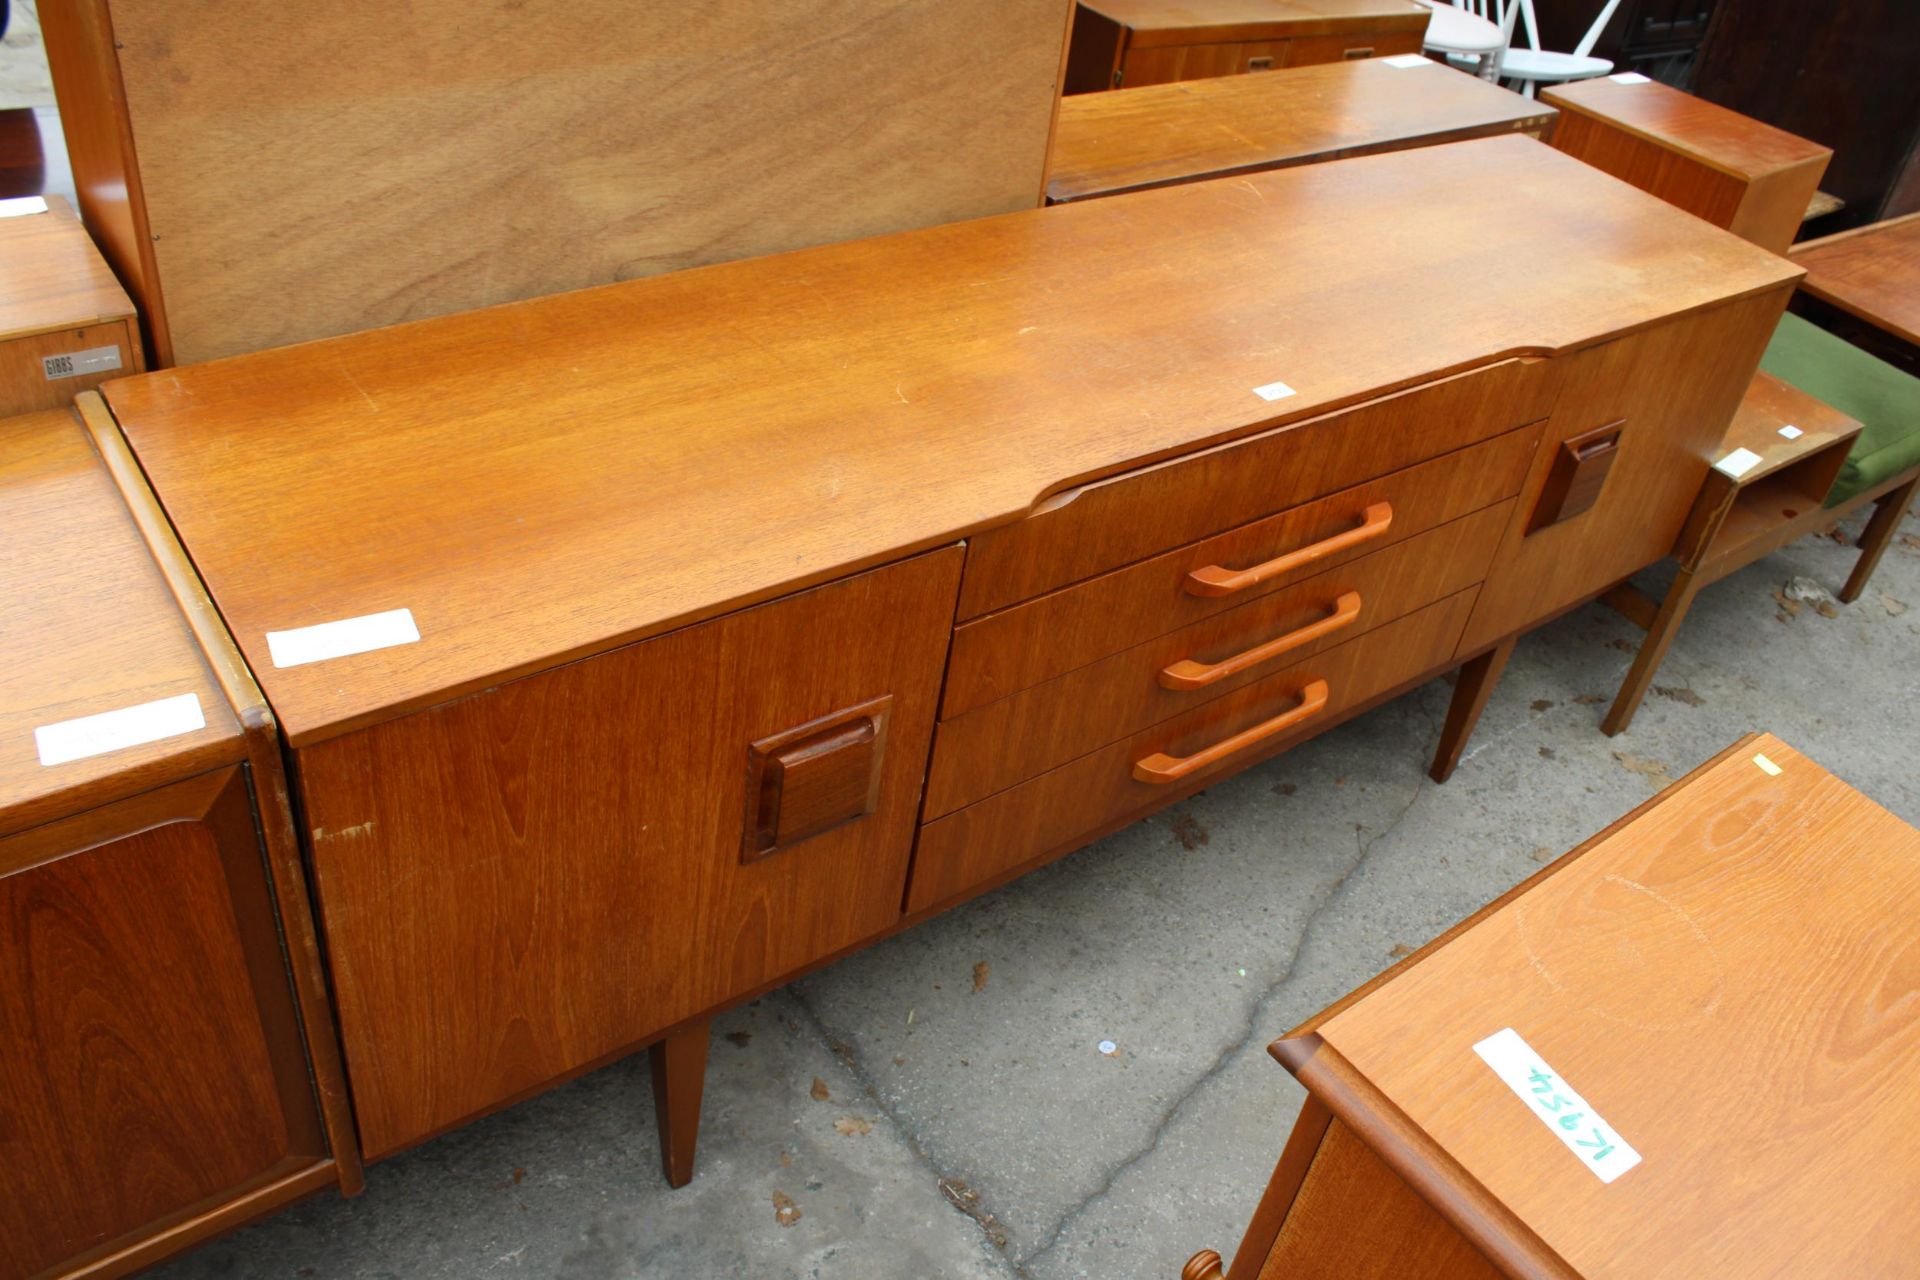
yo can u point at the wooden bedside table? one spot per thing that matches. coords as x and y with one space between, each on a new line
1864 285
1684 1049
1751 178
66 325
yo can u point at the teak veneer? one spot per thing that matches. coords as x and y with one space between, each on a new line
1145 42
1862 285
685 557
167 1062
1751 178
1721 978
1107 143
66 325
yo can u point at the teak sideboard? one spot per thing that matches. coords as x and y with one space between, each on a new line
766 608
168 1067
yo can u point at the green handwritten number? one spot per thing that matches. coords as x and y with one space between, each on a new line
1599 1140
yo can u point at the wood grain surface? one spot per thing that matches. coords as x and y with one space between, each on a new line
51 276
1732 170
1871 273
1727 979
150 1061
1107 143
519 885
90 628
308 172
543 481
1191 21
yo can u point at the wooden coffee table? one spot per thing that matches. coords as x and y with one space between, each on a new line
1684 1049
1864 285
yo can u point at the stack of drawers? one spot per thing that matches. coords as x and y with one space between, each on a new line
1133 635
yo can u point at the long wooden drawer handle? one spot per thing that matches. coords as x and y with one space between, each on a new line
1188 674
1217 581
1160 767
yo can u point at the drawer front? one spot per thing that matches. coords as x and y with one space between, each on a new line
522 883
1672 392
1005 652
1019 737
1111 523
1347 48
1053 813
151 1062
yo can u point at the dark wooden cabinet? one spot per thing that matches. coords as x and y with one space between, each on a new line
167 1064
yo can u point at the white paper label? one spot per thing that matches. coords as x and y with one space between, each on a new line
1737 463
1767 766
1410 60
340 639
22 206
1273 391
1564 1112
113 730
1629 77
1792 432
71 364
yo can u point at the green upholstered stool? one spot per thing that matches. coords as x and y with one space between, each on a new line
1885 400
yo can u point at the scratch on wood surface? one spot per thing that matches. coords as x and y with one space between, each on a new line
354 832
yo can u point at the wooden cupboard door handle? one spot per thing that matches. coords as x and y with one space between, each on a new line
1160 767
1217 581
1188 674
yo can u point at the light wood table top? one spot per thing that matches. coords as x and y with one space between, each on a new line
90 628
51 276
1872 273
548 479
1156 22
1716 137
1130 139
1726 980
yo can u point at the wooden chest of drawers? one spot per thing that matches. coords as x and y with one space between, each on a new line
65 323
164 1073
679 565
1131 43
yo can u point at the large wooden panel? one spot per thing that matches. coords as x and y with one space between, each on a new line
517 885
1674 389
312 170
745 430
1019 736
1107 143
150 1061
1004 652
1054 812
1728 978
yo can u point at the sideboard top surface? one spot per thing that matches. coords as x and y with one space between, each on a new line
51 276
1129 139
1727 980
90 628
545 479
1717 137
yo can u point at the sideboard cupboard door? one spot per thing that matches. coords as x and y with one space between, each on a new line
1671 391
151 1067
524 883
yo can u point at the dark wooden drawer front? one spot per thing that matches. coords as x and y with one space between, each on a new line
1018 737
1055 811
1105 525
1016 648
521 883
150 1058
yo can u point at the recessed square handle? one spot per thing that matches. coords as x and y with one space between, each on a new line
807 780
1579 471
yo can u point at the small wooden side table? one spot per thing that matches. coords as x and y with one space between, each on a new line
1780 458
66 325
1685 1049
1751 178
1864 285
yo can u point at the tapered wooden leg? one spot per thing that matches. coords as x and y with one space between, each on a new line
679 1074
1887 514
1653 649
1477 678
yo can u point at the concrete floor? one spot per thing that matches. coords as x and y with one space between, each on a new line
938 1106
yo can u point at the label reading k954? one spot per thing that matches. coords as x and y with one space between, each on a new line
73 364
1564 1112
